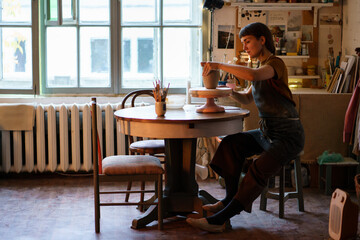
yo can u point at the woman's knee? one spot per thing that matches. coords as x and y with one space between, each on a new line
265 167
238 138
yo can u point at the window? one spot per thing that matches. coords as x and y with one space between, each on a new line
145 55
162 42
77 50
16 59
99 46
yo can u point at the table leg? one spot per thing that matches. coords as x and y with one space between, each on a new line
180 167
146 218
207 198
181 193
181 188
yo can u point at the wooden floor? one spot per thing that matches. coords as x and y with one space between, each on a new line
58 207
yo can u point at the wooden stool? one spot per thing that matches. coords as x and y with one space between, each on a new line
325 181
283 196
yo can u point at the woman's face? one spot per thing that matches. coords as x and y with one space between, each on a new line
252 45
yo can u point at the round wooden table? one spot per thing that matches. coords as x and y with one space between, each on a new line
180 129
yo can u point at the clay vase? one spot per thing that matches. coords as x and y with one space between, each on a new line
211 80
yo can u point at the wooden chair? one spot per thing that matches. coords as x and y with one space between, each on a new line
122 168
154 147
282 196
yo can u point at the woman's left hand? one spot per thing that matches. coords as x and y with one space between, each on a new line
208 66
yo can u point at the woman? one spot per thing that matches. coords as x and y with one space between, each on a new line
279 139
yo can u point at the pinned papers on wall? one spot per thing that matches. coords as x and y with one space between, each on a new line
277 18
246 17
294 21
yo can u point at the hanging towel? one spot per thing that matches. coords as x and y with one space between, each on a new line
350 115
17 117
327 157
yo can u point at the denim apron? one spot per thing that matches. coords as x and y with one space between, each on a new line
281 132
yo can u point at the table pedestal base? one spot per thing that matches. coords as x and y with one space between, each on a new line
183 206
210 94
181 193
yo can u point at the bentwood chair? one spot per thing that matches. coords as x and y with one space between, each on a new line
154 147
122 168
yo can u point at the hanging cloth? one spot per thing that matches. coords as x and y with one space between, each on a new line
350 115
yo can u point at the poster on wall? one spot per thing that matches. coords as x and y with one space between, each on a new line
277 18
307 33
278 32
226 36
294 21
246 17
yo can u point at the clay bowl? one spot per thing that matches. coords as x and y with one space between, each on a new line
211 80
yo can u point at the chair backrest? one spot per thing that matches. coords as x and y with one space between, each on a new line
134 94
96 148
94 141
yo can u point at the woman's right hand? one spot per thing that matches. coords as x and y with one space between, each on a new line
208 66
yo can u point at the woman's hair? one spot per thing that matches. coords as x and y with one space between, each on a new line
257 30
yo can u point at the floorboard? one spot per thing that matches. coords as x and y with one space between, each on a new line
61 207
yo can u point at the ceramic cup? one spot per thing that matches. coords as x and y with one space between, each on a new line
160 108
211 80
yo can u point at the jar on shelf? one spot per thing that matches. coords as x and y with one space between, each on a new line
299 71
311 70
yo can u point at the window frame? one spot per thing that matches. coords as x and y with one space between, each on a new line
162 26
38 31
113 61
34 26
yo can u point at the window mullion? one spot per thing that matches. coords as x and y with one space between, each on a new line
35 47
115 45
161 42
75 10
78 54
60 18
77 23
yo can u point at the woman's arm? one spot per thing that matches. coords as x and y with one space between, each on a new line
244 97
250 74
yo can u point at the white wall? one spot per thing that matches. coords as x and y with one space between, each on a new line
351 29
333 30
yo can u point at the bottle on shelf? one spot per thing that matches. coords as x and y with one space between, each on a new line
304 49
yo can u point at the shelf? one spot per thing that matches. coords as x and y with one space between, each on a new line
283 7
292 57
305 76
308 91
